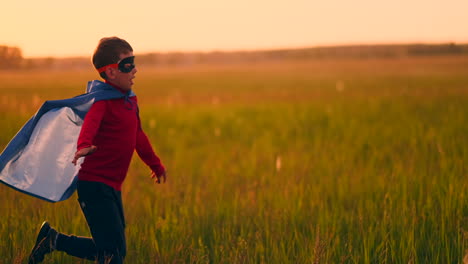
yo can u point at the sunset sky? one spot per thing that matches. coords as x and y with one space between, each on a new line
70 28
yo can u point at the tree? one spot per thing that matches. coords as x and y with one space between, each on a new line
10 57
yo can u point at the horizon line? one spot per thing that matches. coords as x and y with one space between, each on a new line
227 50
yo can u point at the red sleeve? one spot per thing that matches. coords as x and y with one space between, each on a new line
146 152
91 124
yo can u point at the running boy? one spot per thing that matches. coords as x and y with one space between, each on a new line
110 133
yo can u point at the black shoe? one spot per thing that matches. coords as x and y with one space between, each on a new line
45 227
45 243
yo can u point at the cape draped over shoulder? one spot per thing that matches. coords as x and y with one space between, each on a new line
37 161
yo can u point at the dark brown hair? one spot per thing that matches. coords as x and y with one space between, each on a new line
108 52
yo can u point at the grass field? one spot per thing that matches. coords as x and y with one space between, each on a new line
331 161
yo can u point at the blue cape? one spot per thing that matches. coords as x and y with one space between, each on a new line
37 161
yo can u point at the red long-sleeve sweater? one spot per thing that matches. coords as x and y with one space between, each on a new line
114 127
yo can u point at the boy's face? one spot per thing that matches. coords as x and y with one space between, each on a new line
122 79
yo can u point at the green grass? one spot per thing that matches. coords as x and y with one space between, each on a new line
336 161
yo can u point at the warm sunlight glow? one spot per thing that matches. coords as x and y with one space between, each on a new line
66 28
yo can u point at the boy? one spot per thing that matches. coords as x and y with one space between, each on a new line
110 133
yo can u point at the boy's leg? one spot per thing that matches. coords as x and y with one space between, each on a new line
81 247
102 207
48 240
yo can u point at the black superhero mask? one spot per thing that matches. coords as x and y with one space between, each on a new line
125 65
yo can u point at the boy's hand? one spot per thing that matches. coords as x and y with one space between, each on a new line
158 175
83 152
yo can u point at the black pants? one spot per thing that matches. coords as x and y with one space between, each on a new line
103 210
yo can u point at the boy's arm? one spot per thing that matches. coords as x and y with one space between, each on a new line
89 129
146 153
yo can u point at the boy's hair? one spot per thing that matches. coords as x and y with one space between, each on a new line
108 52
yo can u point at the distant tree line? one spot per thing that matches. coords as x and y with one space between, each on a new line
11 57
337 52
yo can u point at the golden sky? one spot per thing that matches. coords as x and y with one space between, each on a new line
66 28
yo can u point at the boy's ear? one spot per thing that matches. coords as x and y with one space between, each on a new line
110 73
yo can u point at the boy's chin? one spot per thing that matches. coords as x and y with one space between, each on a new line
128 87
